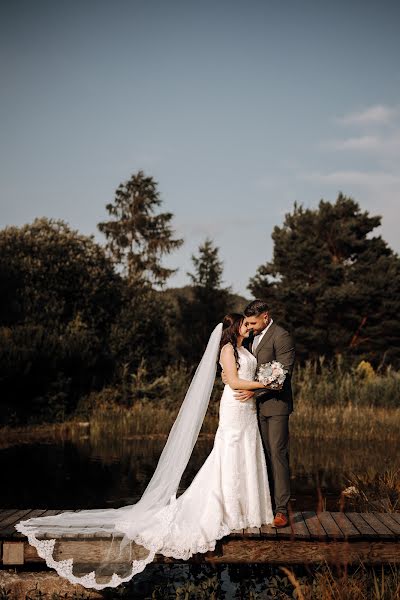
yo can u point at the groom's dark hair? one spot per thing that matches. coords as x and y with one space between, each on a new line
255 308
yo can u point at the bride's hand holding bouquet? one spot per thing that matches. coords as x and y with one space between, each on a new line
272 375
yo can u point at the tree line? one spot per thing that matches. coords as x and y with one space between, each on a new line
76 315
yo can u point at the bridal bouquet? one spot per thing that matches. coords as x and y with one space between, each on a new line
272 374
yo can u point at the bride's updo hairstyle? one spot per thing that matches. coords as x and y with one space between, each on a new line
230 331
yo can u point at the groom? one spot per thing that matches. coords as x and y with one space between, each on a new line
272 342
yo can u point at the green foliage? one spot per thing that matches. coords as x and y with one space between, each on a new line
182 312
62 295
137 237
50 273
79 322
333 283
140 331
204 306
208 268
137 240
330 383
69 323
329 404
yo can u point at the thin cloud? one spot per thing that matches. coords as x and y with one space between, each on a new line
361 178
367 143
378 114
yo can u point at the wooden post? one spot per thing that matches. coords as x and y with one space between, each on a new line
13 553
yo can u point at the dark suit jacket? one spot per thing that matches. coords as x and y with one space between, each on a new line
277 344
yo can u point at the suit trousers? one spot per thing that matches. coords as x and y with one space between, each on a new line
275 436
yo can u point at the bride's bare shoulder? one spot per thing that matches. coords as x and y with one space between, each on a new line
227 348
226 351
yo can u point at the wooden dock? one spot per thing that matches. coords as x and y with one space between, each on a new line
334 537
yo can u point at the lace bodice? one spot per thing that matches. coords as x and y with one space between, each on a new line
247 364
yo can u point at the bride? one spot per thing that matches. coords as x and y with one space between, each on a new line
230 491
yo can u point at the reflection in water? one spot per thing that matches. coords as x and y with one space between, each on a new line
99 469
94 471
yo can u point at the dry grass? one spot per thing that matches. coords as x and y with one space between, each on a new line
330 403
374 492
365 583
342 422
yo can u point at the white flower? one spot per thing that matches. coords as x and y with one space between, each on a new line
271 373
350 491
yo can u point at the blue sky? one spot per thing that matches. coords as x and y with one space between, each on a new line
237 109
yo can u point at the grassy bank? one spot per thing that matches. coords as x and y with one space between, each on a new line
333 422
330 402
339 422
330 384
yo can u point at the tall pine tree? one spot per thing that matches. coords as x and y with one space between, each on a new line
205 304
137 236
334 283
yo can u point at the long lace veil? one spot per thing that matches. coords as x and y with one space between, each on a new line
121 542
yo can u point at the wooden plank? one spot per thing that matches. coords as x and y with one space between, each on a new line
348 528
251 532
266 531
101 535
53 512
252 551
332 529
298 526
296 523
381 530
4 513
87 536
285 533
72 535
307 552
313 524
395 516
19 515
363 527
66 535
392 524
83 536
337 537
84 552
48 513
236 533
9 531
104 536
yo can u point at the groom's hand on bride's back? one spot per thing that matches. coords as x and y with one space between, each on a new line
243 395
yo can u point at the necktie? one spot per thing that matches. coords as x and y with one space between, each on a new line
255 343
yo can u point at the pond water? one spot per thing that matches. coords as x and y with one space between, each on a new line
93 470
96 469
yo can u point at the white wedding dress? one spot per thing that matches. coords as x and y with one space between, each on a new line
230 491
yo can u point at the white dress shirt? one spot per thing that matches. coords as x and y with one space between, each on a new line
257 338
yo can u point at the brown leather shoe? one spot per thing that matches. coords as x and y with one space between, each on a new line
280 520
